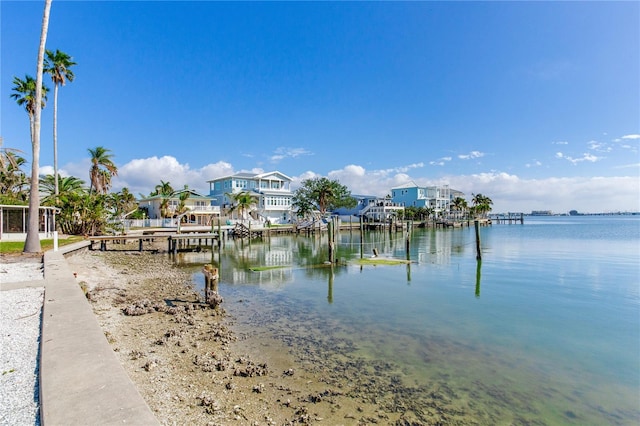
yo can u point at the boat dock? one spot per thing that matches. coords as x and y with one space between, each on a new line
507 218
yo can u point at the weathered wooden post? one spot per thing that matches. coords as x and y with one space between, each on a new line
408 240
478 272
330 240
212 298
476 223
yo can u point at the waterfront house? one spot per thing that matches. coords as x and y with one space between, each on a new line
436 197
271 190
186 204
370 208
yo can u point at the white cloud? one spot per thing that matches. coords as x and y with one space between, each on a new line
628 166
509 192
283 152
633 136
46 170
560 143
585 157
142 175
599 146
440 161
471 155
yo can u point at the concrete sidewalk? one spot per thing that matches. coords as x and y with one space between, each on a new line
81 380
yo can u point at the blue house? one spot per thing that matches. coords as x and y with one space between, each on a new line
371 208
436 197
271 190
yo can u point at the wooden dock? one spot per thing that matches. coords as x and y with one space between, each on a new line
507 218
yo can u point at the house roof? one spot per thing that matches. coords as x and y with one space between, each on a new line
410 184
176 194
247 175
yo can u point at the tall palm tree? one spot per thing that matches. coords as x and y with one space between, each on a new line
102 170
32 242
24 93
57 65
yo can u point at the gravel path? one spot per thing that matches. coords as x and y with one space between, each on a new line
20 317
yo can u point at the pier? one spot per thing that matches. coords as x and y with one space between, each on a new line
507 218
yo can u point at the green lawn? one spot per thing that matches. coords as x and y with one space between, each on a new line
18 246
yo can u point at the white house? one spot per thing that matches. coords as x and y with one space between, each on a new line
271 190
198 209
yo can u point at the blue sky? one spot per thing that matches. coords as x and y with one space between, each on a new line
534 104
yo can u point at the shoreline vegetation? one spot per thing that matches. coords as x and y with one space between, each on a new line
199 365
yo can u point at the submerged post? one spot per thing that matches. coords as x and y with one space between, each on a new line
476 223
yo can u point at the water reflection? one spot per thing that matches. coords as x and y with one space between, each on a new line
541 343
270 261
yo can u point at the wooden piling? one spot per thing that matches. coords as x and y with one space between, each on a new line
330 231
476 224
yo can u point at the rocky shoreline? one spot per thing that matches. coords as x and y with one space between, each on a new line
236 363
188 362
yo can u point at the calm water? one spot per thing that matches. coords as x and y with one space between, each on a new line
544 330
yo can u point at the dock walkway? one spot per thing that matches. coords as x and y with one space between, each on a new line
81 380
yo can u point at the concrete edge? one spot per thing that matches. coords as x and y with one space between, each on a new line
81 379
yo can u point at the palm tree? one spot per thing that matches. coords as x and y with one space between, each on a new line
32 242
165 191
122 203
241 201
163 188
13 180
102 170
24 92
481 203
459 204
57 65
65 185
429 211
183 197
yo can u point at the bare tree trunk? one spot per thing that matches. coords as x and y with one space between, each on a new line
32 243
55 139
